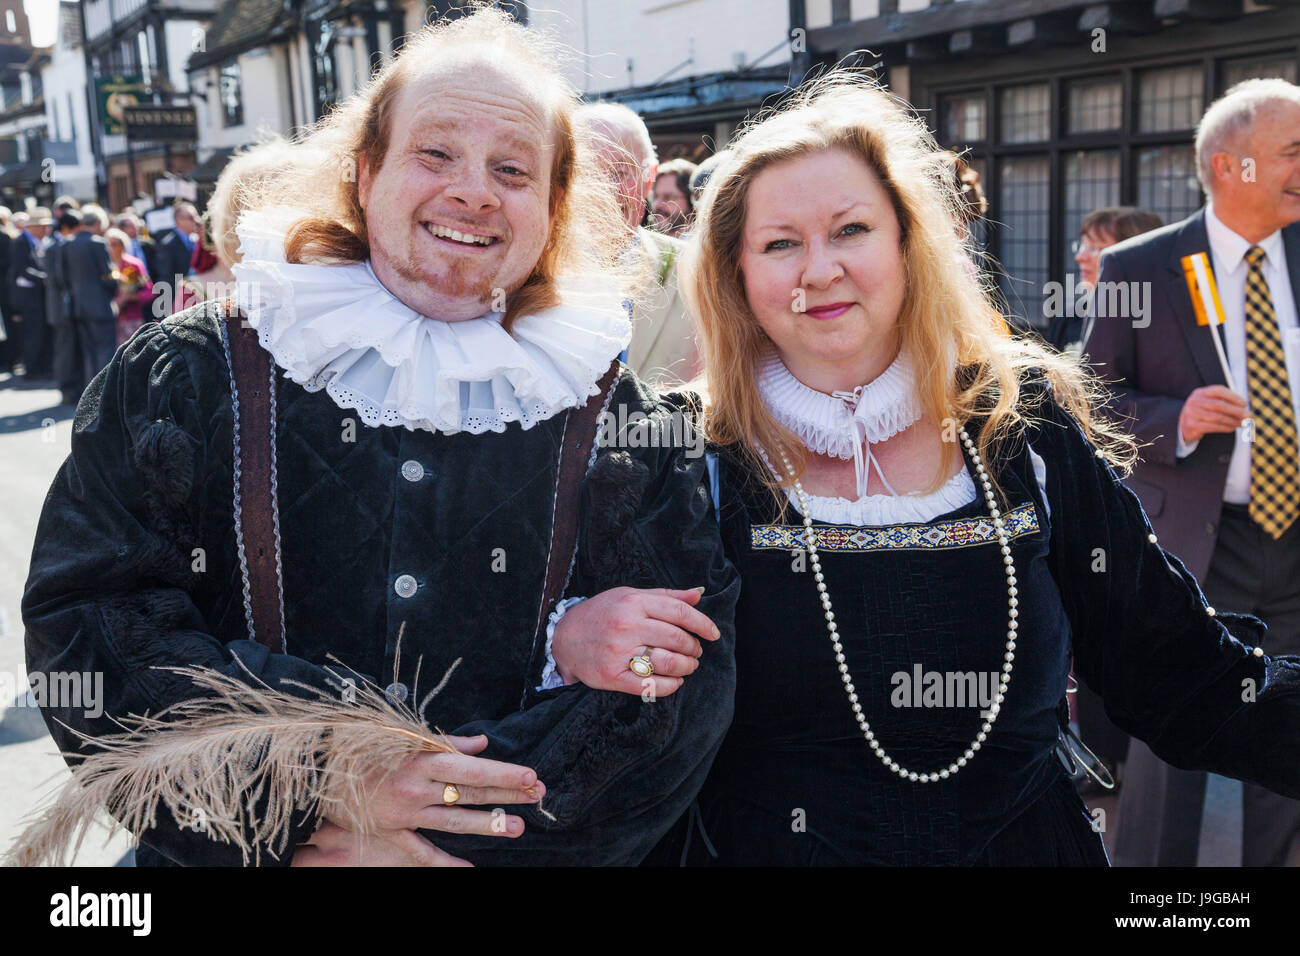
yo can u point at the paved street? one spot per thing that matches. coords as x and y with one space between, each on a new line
34 437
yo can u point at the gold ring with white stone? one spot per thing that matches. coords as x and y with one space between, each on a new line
450 794
641 666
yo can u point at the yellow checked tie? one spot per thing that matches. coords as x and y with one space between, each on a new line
1274 471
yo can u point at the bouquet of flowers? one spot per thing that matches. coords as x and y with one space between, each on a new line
129 278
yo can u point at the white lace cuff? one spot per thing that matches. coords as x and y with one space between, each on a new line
550 676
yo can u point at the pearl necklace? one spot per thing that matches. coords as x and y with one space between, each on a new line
1012 625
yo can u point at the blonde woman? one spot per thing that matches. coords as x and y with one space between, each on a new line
929 523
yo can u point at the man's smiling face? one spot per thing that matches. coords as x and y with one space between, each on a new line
460 205
1275 144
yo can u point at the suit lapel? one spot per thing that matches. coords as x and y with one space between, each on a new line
1190 239
1291 243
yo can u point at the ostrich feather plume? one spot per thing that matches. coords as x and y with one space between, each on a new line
236 763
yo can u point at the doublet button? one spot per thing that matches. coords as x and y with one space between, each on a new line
396 692
412 470
405 586
1152 538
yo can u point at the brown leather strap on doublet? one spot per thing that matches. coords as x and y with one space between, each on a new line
576 441
252 383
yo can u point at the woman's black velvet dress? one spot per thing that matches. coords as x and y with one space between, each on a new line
795 782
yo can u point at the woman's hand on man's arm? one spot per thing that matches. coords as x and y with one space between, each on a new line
596 639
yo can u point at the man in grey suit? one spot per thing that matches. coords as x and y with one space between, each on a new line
1223 493
91 287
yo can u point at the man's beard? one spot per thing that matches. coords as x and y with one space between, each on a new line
454 282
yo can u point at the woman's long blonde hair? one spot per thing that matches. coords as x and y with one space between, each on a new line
948 322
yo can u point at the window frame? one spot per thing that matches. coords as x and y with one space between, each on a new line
1061 142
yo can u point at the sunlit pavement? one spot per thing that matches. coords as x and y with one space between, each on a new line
35 432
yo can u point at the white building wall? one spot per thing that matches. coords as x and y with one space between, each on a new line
817 13
124 8
203 83
343 74
265 98
182 39
414 14
98 18
298 58
659 36
350 63
63 81
281 82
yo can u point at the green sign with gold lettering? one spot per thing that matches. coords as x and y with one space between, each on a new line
114 94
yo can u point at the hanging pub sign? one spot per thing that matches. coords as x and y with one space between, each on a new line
114 94
170 124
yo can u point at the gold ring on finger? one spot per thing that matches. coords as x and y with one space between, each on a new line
450 794
641 666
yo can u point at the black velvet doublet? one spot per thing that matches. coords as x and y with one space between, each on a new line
135 565
796 783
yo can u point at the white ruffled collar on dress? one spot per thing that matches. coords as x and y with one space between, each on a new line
337 328
835 424
845 427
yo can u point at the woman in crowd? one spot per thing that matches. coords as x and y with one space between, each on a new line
1100 230
929 523
134 290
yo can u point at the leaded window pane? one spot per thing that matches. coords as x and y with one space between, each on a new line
1096 104
1023 209
964 119
1026 113
1167 182
1091 182
1170 99
1281 65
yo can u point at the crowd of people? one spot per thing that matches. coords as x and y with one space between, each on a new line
896 483
78 282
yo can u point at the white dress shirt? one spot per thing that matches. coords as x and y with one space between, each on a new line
1227 253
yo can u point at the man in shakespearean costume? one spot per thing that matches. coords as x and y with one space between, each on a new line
430 338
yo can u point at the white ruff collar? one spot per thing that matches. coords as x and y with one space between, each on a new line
838 425
845 425
339 329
